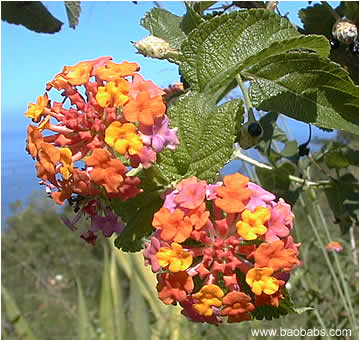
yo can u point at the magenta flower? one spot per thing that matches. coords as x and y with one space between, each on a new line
109 223
151 249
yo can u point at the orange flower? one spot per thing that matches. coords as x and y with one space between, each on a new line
113 93
234 195
35 111
175 257
334 246
252 223
199 216
81 183
123 138
78 74
144 109
113 71
174 226
48 156
274 299
274 255
173 287
260 280
237 305
208 296
65 159
107 171
62 195
34 140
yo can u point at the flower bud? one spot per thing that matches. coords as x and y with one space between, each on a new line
153 47
345 31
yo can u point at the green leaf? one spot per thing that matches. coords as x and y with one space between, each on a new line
31 14
165 25
336 160
15 317
106 316
239 40
206 134
73 10
350 10
191 19
201 6
85 330
276 180
119 317
139 316
138 218
317 20
306 87
137 212
290 149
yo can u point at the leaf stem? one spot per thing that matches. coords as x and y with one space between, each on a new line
247 100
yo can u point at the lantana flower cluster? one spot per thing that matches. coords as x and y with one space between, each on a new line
222 250
110 120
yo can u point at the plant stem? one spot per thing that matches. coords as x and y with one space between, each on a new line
307 183
247 100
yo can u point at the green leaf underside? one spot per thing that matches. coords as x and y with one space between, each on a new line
227 44
32 14
165 25
306 87
206 134
73 10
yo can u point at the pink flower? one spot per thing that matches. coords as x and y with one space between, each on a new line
169 197
280 222
191 193
151 249
159 135
259 196
211 193
139 84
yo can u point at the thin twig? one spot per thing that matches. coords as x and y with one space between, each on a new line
307 183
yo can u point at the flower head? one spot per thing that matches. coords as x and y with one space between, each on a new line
208 232
110 119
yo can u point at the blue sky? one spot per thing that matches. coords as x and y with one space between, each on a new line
29 60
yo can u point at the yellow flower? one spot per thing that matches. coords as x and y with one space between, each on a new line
66 161
123 138
113 93
261 281
35 111
177 258
208 296
252 224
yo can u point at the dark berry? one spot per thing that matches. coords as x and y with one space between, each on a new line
334 43
303 150
254 129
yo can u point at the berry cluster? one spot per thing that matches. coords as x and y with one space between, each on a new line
222 250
